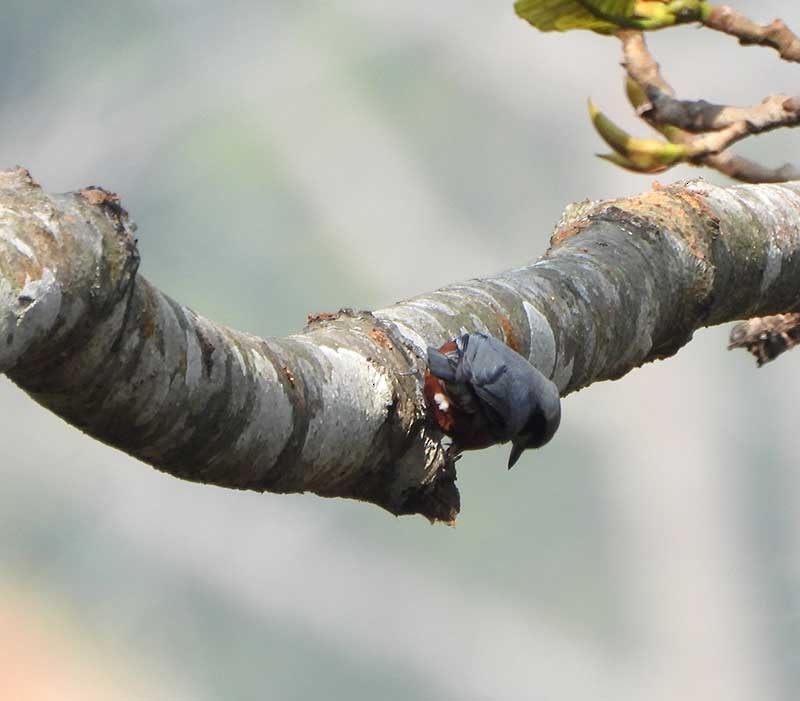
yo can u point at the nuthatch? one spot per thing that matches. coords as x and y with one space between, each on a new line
480 392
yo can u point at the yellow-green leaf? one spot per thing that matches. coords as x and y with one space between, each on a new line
563 15
641 155
606 16
623 162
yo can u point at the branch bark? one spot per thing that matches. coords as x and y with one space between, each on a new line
767 337
775 35
338 409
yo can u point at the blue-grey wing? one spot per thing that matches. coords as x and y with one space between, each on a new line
485 359
495 409
441 365
488 374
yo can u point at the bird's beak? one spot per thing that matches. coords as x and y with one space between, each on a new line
516 451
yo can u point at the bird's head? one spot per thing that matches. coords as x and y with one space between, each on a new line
542 421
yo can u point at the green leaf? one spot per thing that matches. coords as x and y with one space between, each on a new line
628 164
606 16
640 155
563 15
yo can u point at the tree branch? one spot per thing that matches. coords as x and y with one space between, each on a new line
338 409
775 35
707 129
697 116
767 337
747 171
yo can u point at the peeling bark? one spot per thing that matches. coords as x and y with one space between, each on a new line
337 409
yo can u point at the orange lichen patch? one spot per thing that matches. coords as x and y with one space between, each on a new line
575 218
111 207
697 202
674 209
289 374
381 339
98 196
705 222
346 312
508 331
321 316
564 233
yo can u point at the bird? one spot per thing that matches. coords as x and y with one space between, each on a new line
481 392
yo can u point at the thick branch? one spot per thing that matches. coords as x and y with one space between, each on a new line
338 409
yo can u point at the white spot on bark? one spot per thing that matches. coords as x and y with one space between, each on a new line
239 359
772 269
29 314
477 325
542 340
194 359
415 323
22 247
49 223
354 405
413 338
271 419
39 302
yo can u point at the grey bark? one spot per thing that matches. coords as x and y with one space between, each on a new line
338 409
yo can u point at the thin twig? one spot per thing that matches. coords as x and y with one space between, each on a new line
707 129
697 116
774 112
747 171
775 35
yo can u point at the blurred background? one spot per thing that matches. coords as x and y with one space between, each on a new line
283 158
